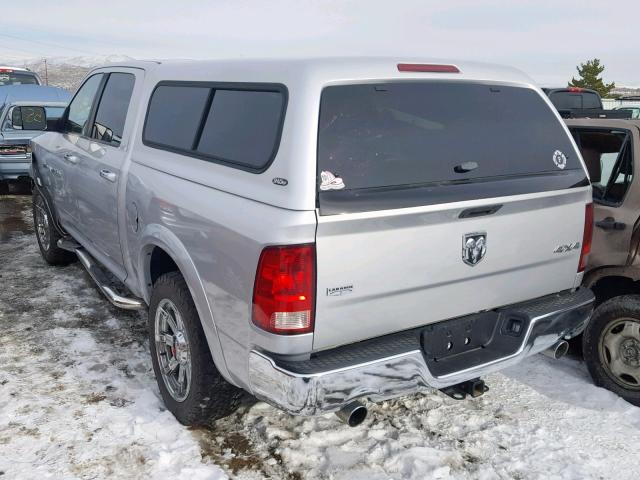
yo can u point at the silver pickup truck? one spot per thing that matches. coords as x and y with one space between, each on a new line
318 232
20 122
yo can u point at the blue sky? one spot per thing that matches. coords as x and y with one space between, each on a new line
546 39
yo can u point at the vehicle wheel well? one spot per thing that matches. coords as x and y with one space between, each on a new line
614 286
160 263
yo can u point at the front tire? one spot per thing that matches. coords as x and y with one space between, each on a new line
191 386
47 235
611 347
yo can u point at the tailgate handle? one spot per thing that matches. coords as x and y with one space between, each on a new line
610 223
479 211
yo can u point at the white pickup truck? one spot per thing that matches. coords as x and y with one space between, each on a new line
321 231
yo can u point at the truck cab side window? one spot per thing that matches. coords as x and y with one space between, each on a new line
112 111
80 106
174 116
234 124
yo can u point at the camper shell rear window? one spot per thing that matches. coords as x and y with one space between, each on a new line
391 145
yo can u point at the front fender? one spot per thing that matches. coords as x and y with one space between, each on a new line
155 235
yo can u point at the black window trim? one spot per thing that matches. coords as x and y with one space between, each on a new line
96 106
629 138
213 86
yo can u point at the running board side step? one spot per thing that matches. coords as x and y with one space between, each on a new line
101 279
68 244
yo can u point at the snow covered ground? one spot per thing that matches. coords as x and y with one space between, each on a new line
78 401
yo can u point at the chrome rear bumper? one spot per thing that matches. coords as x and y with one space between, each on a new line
329 381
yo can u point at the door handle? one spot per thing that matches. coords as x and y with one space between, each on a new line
71 158
107 175
610 223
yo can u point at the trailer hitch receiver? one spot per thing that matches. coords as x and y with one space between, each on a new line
460 391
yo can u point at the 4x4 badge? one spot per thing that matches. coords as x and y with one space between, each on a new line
474 246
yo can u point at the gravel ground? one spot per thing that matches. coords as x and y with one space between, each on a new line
78 400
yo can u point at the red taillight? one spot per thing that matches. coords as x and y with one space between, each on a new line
586 237
427 67
6 70
14 149
575 89
283 295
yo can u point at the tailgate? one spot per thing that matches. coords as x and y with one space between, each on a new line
411 173
385 271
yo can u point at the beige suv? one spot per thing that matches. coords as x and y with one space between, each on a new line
611 341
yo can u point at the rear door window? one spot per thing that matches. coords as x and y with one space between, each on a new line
608 156
108 125
236 125
404 134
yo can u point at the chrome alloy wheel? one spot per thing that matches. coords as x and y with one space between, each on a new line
172 350
42 224
619 349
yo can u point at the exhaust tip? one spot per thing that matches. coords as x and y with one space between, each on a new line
353 414
563 349
558 351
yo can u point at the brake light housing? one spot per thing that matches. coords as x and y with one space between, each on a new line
575 89
427 68
586 237
14 149
284 289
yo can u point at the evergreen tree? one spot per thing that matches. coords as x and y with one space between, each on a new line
590 77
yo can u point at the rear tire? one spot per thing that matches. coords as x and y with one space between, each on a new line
47 235
611 347
190 384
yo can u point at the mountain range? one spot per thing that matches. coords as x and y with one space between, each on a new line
63 72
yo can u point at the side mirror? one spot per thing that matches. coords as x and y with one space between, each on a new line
29 118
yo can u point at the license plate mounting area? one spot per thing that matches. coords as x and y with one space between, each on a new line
461 343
